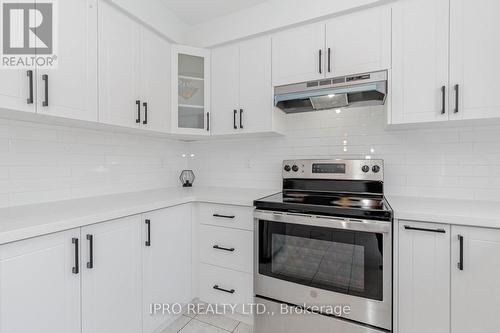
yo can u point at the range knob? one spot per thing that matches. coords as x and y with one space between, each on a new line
287 168
376 169
365 168
295 168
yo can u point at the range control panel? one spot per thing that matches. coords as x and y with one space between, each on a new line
334 169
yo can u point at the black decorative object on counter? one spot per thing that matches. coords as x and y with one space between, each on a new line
187 178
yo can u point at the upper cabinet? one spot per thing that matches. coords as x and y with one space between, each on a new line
475 59
359 42
444 63
190 90
351 44
134 73
242 88
420 61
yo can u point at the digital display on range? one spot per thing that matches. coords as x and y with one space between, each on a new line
328 168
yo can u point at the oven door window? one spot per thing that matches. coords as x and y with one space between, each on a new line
343 261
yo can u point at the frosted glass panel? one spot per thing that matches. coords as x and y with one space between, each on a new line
191 92
191 66
191 117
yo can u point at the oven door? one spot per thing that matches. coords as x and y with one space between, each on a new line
324 261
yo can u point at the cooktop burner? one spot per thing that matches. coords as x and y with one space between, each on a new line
338 200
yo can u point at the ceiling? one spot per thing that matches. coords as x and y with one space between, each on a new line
193 12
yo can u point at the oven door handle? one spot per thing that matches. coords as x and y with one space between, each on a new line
325 221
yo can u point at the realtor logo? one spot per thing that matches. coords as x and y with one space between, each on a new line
28 38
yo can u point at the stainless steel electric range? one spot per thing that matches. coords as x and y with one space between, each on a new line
324 249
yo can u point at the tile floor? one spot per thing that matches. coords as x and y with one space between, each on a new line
207 323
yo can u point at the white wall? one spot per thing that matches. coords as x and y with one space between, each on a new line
45 163
157 16
445 162
267 17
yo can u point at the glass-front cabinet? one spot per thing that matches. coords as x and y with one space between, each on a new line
191 90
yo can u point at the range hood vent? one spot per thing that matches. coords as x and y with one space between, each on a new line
342 92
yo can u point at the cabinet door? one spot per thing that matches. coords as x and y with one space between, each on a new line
475 292
420 61
155 82
15 89
359 43
256 92
119 49
424 277
166 262
72 86
111 288
475 58
190 90
225 89
39 292
298 54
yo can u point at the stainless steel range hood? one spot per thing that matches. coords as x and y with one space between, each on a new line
340 92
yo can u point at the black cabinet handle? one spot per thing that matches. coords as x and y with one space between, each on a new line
76 268
45 78
234 119
225 216
148 224
30 83
208 121
90 263
440 231
461 260
329 60
457 98
216 287
320 58
145 104
241 118
138 103
443 102
217 247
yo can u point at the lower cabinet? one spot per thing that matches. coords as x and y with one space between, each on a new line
424 277
39 286
448 278
166 269
111 276
475 264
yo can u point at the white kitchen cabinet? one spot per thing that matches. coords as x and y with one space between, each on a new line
119 67
358 42
298 54
424 277
111 282
190 90
474 59
242 88
475 292
420 46
15 89
71 90
39 286
155 88
166 253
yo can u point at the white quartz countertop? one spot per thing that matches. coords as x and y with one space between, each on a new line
447 211
23 222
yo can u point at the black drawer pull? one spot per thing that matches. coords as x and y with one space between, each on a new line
217 247
460 264
225 216
148 241
90 263
76 268
216 287
440 231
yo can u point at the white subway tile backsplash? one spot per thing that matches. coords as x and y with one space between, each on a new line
40 162
461 162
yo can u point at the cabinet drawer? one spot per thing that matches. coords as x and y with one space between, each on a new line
237 287
226 216
230 248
